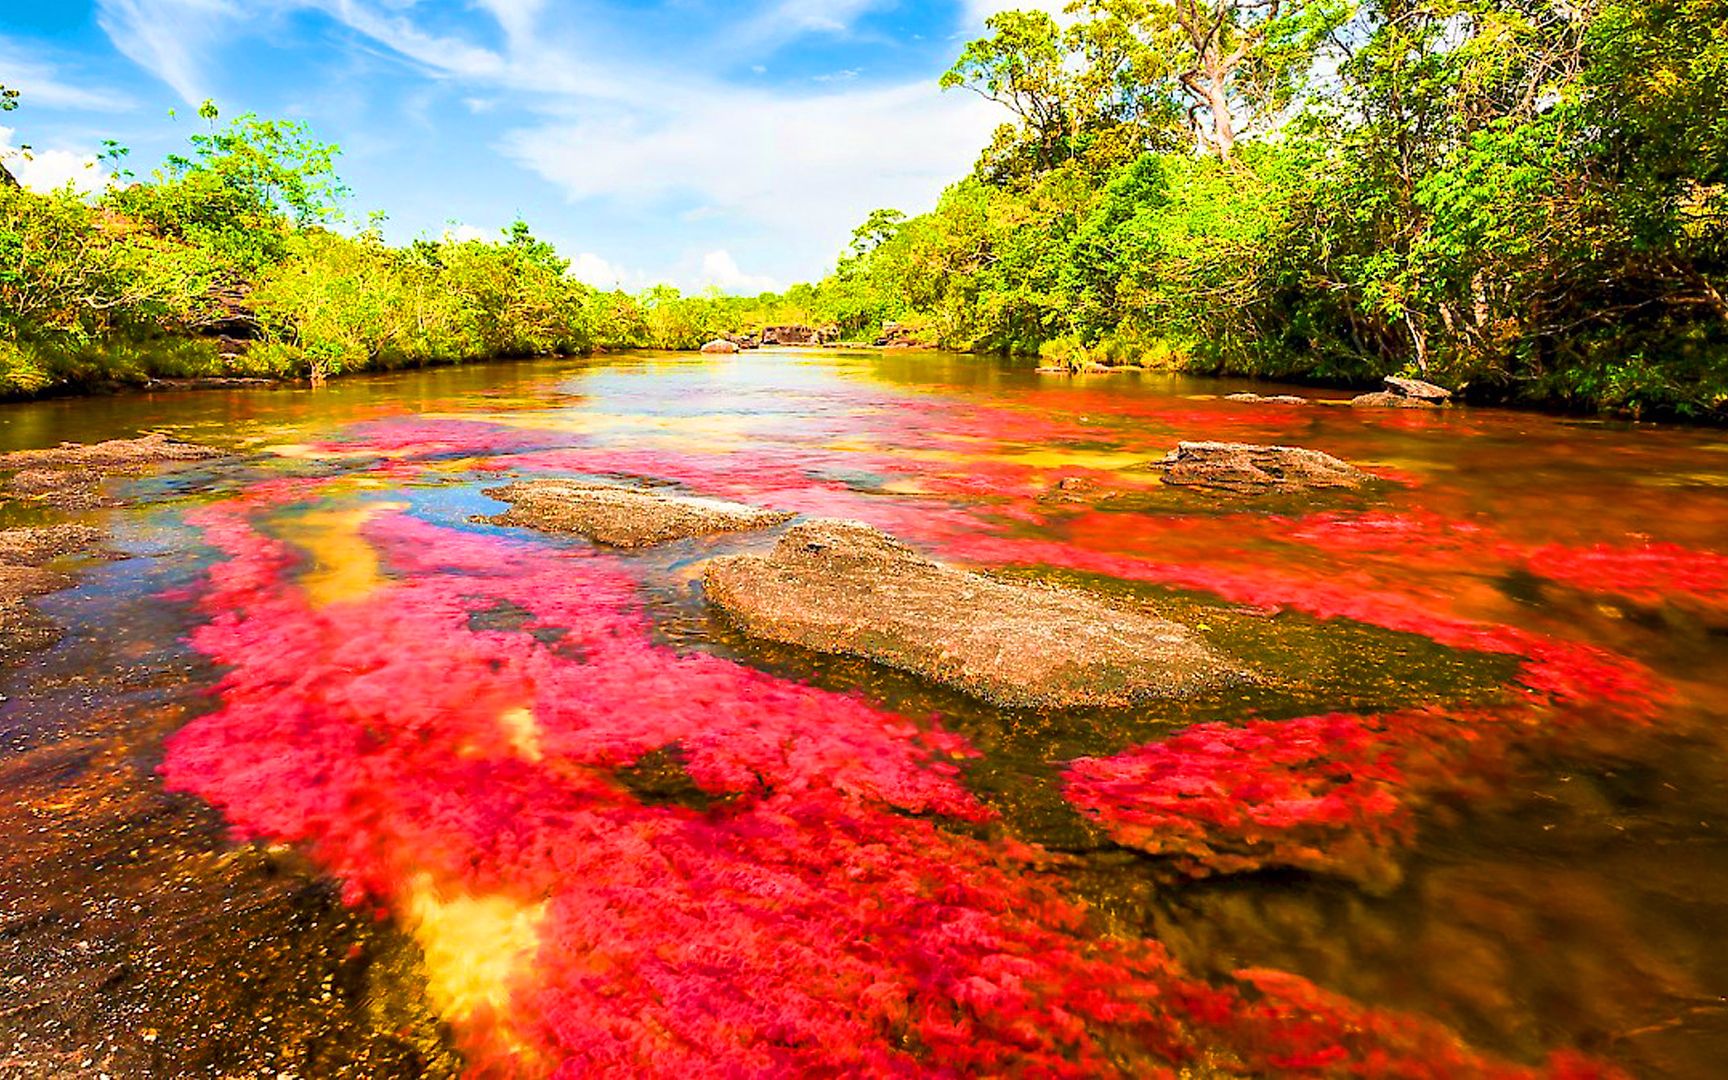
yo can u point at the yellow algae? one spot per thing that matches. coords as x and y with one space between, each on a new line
524 733
306 452
345 567
1058 458
904 486
584 421
475 947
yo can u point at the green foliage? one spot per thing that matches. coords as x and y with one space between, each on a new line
1527 200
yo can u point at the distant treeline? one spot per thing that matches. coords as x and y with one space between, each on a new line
1526 200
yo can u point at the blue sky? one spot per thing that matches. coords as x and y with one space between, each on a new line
692 141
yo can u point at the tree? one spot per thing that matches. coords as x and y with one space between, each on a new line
1232 66
1023 66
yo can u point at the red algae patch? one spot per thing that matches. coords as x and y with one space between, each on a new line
839 906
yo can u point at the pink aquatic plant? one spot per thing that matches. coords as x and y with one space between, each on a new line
464 724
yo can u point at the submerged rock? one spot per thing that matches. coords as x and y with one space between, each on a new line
113 455
843 587
1263 399
33 547
23 553
1405 394
69 476
623 516
1253 470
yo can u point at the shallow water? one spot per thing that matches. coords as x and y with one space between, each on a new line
1476 792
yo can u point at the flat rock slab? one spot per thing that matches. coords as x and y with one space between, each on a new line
69 476
22 555
1405 394
622 516
842 587
113 456
1246 469
33 547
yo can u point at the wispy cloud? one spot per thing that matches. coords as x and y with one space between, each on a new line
167 37
790 169
46 81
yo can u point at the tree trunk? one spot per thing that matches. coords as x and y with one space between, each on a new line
6 177
1218 104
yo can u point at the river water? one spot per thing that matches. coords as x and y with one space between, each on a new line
330 777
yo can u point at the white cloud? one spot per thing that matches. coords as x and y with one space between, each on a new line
461 234
721 271
166 37
51 169
810 167
591 269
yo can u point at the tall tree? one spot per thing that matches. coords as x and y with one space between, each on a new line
1232 66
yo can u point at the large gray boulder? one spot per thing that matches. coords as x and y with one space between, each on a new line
843 587
623 516
1246 469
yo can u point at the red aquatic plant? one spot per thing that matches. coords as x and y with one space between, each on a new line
1321 793
466 722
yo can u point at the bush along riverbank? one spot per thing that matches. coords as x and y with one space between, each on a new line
235 260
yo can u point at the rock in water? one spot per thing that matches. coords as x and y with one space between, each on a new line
623 516
70 475
720 346
1255 470
117 454
1405 394
843 587
1261 399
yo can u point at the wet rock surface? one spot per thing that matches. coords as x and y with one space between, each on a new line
69 476
1265 399
799 335
622 516
846 588
1245 469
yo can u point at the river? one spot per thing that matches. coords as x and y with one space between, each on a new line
329 777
